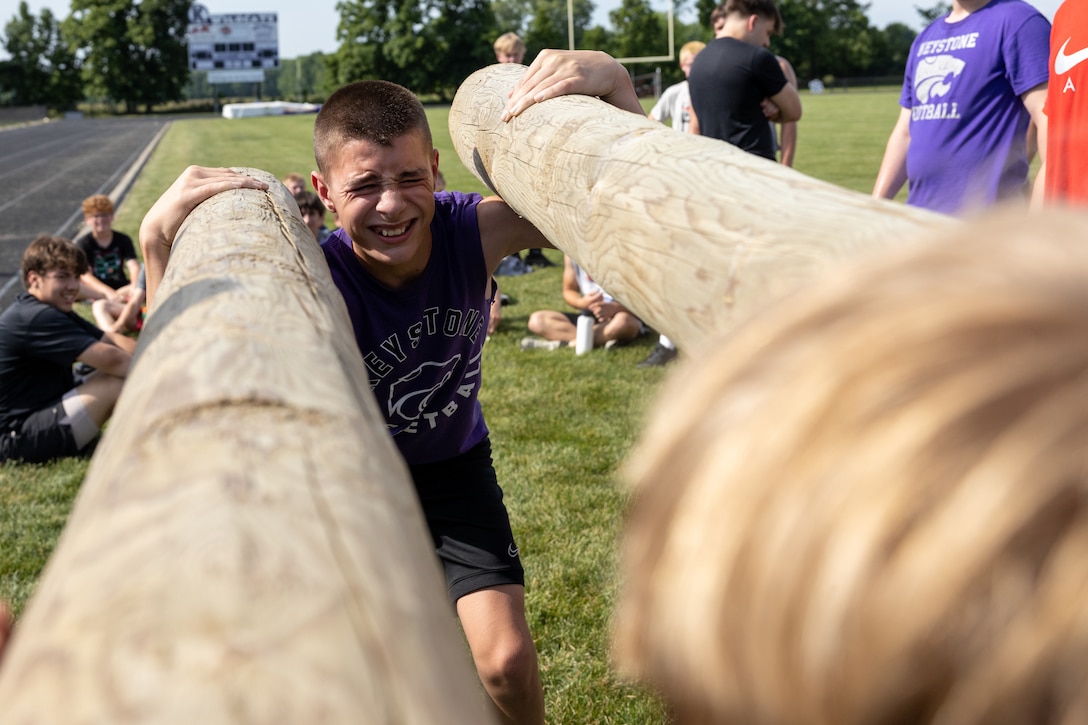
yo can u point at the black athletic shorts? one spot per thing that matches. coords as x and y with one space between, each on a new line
41 437
462 503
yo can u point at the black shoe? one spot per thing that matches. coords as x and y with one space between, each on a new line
82 369
536 258
659 356
512 266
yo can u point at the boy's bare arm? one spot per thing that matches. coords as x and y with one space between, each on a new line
503 232
91 287
108 358
160 226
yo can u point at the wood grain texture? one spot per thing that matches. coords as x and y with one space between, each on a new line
691 233
247 546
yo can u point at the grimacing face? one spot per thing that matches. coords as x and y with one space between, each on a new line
383 197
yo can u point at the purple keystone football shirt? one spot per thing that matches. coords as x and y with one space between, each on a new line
963 85
422 344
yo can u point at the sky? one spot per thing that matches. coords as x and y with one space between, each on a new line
305 28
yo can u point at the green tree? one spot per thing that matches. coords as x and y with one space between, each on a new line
893 49
302 78
429 46
512 15
460 41
132 53
548 27
42 69
638 31
826 38
937 10
703 9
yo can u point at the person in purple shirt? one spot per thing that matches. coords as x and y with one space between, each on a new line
975 79
415 268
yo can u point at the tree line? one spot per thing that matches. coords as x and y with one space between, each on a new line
133 52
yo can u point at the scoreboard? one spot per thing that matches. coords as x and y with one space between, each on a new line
238 43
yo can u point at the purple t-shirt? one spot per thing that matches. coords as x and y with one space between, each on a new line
423 343
963 85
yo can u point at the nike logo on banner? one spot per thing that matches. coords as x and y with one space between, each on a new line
1064 63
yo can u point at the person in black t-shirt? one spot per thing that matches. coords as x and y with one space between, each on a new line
111 255
44 414
736 84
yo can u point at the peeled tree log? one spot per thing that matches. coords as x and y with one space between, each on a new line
247 546
691 233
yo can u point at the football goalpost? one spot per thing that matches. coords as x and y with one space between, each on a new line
670 54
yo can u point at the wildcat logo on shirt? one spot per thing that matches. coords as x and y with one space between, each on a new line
421 398
935 75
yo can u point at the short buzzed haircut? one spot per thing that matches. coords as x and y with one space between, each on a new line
376 111
47 253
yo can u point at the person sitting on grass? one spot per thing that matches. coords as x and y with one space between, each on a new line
110 254
313 213
295 183
44 415
612 322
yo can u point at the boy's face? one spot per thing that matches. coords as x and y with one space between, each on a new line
315 219
685 63
760 30
56 287
514 57
98 222
383 197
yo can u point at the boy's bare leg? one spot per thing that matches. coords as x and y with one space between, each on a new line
494 623
105 313
98 394
552 325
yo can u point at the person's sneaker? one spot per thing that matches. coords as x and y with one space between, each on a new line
536 258
82 369
659 356
512 266
535 343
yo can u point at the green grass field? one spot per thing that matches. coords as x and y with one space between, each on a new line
560 425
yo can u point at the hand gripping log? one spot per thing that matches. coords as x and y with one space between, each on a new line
691 233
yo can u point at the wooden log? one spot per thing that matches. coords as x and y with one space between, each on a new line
247 546
691 233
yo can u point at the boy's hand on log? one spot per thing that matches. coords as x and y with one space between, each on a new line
195 185
573 72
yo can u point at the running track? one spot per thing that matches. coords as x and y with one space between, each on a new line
48 169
